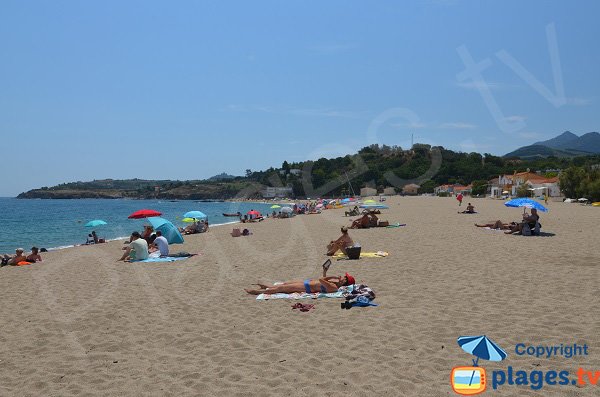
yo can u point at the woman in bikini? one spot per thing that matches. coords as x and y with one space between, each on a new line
324 284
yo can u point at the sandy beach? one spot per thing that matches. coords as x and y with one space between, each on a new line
80 323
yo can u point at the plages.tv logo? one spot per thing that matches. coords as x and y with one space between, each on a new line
470 380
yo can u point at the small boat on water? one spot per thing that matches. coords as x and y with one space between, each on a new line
237 214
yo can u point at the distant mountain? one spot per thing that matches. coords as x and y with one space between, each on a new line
221 177
560 142
566 144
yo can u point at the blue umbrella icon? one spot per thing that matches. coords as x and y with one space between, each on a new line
481 347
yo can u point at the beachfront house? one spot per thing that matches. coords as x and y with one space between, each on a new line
411 189
447 189
511 183
389 191
368 191
541 185
464 190
493 188
277 192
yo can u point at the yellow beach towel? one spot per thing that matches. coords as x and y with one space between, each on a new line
378 254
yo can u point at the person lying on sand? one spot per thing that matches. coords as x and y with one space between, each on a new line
18 257
361 223
497 225
324 284
340 244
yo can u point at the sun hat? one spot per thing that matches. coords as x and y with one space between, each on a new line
350 279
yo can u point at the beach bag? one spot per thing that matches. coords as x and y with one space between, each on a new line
353 252
526 230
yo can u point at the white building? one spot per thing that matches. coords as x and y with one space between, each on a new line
274 192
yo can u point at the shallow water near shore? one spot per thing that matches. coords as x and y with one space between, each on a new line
60 223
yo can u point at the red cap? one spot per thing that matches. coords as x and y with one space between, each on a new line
350 279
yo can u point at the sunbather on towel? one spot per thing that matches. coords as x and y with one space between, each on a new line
324 284
497 225
340 244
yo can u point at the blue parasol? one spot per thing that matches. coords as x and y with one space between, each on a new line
168 230
527 203
95 222
481 347
195 214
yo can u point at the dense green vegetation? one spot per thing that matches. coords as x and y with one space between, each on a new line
375 165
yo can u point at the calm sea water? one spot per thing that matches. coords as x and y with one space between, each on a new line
60 223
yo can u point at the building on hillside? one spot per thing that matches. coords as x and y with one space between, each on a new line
296 171
411 189
277 192
368 191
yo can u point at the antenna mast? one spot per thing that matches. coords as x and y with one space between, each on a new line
351 188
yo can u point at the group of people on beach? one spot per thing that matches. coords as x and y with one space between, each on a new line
140 248
368 220
20 259
529 222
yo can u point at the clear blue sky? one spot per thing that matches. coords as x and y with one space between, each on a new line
186 90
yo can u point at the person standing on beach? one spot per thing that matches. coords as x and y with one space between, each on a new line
137 249
459 197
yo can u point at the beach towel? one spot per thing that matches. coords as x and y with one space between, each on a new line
164 259
340 293
397 225
378 254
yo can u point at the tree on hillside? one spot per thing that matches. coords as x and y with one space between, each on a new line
479 187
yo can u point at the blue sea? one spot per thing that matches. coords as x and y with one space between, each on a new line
60 223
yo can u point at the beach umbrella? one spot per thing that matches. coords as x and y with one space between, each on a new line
526 203
481 347
374 206
346 200
144 214
506 192
253 212
95 222
369 202
274 206
195 214
168 230
582 200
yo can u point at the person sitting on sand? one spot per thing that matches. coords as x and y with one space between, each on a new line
529 220
160 244
341 243
470 209
147 232
34 256
137 250
324 284
497 225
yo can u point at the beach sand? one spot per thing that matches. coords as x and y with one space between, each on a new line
80 323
